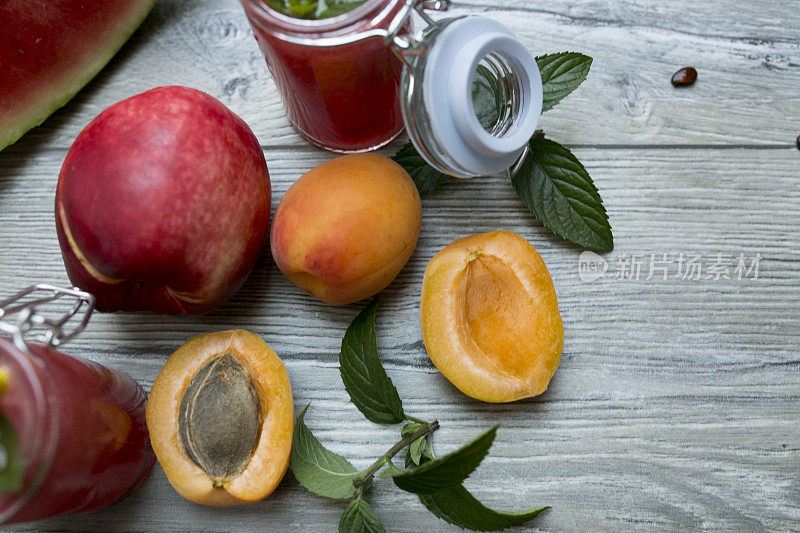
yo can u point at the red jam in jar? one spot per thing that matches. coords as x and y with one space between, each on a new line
81 428
353 82
343 97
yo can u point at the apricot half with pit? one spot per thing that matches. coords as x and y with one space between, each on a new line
344 230
221 419
490 317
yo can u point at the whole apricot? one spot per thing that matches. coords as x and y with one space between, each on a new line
344 230
221 419
490 317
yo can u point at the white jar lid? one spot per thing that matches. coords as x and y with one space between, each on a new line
449 68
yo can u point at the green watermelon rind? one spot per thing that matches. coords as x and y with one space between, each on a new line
38 114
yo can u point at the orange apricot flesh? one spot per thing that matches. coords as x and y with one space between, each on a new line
490 317
231 445
344 230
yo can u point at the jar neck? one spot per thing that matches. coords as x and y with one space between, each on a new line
473 99
370 15
29 405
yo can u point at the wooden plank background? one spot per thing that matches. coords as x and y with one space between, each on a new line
676 405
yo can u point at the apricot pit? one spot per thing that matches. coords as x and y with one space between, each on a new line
490 317
221 419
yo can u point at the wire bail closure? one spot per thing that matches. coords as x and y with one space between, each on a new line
405 46
20 316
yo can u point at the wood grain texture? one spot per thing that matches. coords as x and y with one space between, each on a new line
676 403
749 67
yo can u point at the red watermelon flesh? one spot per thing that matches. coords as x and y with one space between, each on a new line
50 49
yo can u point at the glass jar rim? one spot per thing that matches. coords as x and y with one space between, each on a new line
45 433
272 19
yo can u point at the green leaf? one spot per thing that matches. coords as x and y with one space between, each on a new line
448 471
11 464
333 8
426 454
360 518
417 447
363 374
486 97
425 177
562 73
556 188
458 507
318 469
295 8
410 429
314 9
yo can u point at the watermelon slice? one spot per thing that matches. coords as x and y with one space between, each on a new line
50 49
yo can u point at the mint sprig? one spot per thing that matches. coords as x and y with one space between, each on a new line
436 481
363 375
550 180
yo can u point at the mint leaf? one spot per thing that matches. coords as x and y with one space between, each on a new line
448 471
363 374
458 507
318 469
418 448
556 188
334 8
294 8
360 518
425 177
314 9
562 73
410 429
11 465
486 97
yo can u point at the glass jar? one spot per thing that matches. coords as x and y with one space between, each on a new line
342 97
81 428
352 82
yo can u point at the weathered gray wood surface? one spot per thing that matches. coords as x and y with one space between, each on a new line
677 403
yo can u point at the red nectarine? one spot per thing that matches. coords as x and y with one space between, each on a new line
163 203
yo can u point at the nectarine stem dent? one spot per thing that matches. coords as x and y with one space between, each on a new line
490 317
219 419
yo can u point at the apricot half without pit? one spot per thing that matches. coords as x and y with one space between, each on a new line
221 419
490 317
